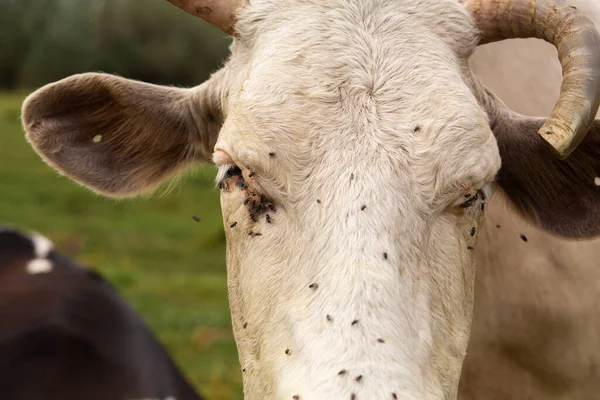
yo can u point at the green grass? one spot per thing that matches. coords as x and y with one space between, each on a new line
169 267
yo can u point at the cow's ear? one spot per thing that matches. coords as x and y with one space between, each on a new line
121 137
561 196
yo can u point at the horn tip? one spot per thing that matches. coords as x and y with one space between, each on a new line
559 140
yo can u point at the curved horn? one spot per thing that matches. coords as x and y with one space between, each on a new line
578 45
220 13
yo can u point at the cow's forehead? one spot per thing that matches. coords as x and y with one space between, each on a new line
407 55
276 24
397 80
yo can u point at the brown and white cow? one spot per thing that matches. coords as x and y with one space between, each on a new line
65 333
356 151
536 323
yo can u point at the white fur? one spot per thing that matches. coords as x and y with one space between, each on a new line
597 181
39 266
343 129
42 245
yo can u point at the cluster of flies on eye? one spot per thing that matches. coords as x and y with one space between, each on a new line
257 205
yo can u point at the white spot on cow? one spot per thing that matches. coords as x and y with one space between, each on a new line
42 245
97 139
597 180
39 266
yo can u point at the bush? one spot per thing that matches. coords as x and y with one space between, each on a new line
150 40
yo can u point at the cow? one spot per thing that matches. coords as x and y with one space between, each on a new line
536 332
65 333
356 153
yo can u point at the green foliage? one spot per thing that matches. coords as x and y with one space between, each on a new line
150 40
169 267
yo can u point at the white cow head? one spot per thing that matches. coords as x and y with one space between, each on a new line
356 152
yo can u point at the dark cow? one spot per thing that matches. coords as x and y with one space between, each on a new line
65 333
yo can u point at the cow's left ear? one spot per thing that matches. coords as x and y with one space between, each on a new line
121 137
561 196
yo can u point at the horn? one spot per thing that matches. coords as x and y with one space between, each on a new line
578 44
220 13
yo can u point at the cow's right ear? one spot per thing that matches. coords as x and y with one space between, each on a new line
560 196
121 137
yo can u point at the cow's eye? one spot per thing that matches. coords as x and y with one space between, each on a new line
474 199
470 201
232 170
230 173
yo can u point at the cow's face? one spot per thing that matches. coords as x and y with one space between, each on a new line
356 153
353 187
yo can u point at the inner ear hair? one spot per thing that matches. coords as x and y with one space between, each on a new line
121 137
561 196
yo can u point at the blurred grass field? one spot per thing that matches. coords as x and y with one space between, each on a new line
169 267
